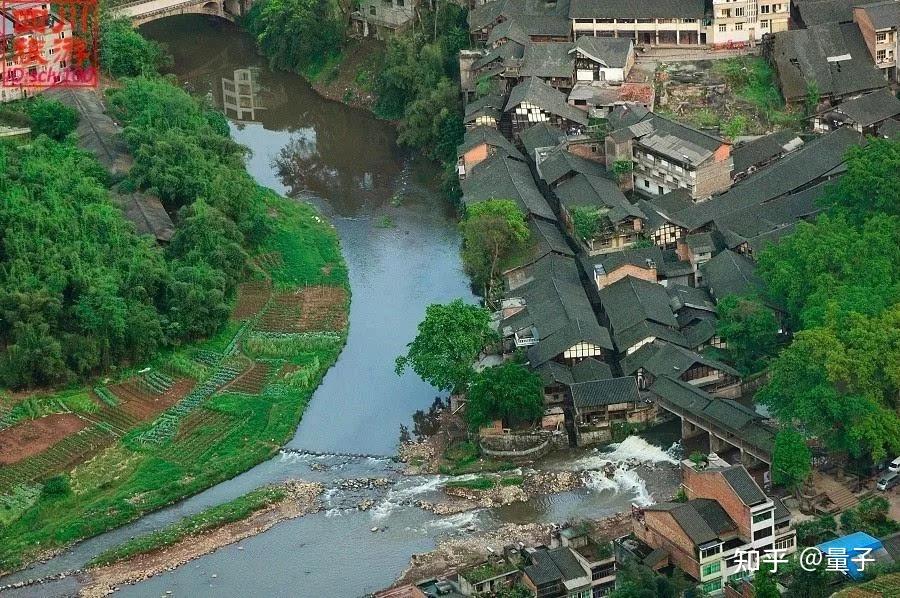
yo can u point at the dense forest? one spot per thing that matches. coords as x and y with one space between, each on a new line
80 292
837 282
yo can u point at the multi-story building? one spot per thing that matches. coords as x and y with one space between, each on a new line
649 22
726 516
34 40
746 21
381 18
879 23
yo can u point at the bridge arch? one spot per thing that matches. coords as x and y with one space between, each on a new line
145 11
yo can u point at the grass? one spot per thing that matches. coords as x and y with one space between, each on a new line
206 520
465 457
225 435
479 483
752 79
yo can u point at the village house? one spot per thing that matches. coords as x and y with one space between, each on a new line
503 177
879 23
533 101
551 62
598 405
602 59
829 61
479 144
746 21
752 155
649 23
556 573
493 575
539 139
660 358
697 249
726 512
646 263
864 114
809 13
383 18
524 20
29 51
484 111
730 273
558 379
638 312
557 165
667 155
548 250
600 99
617 223
597 556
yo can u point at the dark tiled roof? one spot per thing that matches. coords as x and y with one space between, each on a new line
755 220
627 115
681 296
511 30
548 59
731 274
630 300
884 14
549 237
591 369
536 92
553 372
491 136
502 177
655 557
782 513
558 564
729 415
645 9
666 359
701 242
510 50
702 519
892 546
674 140
646 329
597 192
490 105
744 485
890 130
804 56
871 108
699 332
761 150
610 262
597 393
541 135
820 12
611 51
561 162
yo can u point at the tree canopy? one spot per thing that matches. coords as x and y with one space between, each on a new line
509 392
51 118
749 330
791 459
126 53
447 343
493 232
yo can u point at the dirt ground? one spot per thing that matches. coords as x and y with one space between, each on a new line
143 405
34 436
310 309
102 581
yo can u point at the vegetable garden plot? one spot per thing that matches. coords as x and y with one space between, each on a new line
251 298
58 458
306 310
31 437
252 381
141 401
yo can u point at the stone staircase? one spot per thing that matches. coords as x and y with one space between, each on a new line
842 498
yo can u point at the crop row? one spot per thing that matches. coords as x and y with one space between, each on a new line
59 457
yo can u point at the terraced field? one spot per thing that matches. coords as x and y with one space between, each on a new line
189 419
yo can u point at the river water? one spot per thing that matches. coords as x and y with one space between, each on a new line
401 243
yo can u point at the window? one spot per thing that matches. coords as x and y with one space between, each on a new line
647 183
762 533
708 552
881 37
372 10
785 544
738 26
712 586
764 9
711 568
760 517
739 11
400 3
723 27
776 8
764 24
880 55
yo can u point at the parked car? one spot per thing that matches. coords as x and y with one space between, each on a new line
894 466
888 481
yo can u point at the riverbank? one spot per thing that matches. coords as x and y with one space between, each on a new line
300 498
350 80
194 416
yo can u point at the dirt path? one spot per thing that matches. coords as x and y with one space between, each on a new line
303 500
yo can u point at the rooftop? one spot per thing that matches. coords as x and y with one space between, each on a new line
535 91
702 519
502 177
612 391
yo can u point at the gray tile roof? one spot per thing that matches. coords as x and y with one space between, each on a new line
548 60
588 190
666 359
509 51
730 273
561 162
675 139
510 29
645 9
536 92
646 329
491 105
755 220
892 545
491 136
610 51
148 215
884 14
502 177
557 564
701 242
890 130
728 415
539 136
702 519
699 332
630 300
871 108
820 12
681 296
782 513
598 393
744 485
591 369
804 56
535 17
761 150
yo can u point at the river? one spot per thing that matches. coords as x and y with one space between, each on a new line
401 243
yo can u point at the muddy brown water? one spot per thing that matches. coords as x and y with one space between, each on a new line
400 240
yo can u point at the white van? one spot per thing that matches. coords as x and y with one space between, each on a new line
888 481
894 466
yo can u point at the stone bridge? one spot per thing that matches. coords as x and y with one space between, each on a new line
144 11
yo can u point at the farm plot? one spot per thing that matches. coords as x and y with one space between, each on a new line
251 298
142 399
201 431
59 457
306 310
252 381
34 436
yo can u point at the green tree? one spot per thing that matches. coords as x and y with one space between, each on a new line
51 118
764 585
493 232
803 583
447 344
509 392
126 53
298 35
816 531
622 168
750 332
586 221
791 459
872 516
872 183
735 126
